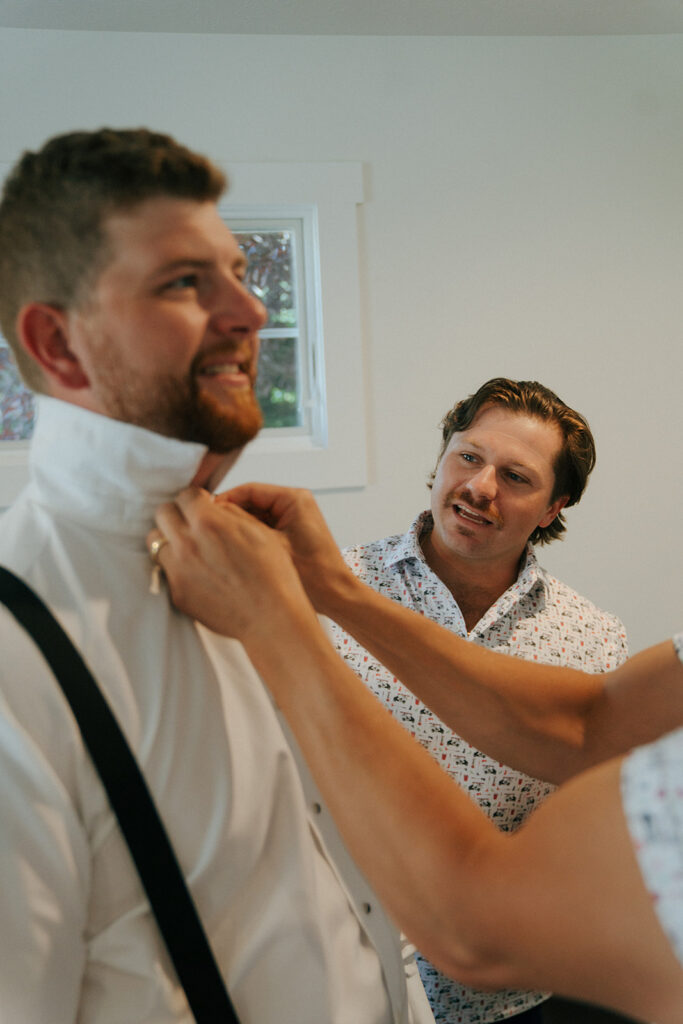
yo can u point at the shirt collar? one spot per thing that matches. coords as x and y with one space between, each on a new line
102 472
408 547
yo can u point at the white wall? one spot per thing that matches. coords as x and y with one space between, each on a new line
524 216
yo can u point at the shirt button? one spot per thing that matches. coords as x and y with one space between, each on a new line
367 908
317 808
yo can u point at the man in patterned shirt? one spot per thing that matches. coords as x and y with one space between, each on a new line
513 456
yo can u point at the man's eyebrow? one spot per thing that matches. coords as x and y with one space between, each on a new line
512 463
466 443
240 262
168 268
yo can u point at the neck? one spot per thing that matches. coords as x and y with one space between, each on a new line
213 468
476 585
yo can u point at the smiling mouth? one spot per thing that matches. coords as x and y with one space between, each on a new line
470 516
218 368
229 373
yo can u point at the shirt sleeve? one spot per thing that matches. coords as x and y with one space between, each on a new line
652 795
678 645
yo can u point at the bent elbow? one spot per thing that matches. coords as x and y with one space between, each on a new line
480 968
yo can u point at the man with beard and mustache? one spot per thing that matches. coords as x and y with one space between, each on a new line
122 295
513 455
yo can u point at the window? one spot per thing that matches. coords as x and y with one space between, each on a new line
297 225
274 256
16 402
16 426
329 449
283 272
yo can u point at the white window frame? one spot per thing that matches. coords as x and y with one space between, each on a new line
333 454
302 223
13 454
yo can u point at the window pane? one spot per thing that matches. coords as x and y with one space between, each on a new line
270 273
276 386
271 277
16 402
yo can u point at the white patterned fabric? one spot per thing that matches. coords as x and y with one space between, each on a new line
294 928
537 618
652 794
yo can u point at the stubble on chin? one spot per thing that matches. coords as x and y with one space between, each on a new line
225 427
178 409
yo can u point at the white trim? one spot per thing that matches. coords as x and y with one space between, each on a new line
301 222
333 455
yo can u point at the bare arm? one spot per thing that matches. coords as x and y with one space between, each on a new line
549 722
568 880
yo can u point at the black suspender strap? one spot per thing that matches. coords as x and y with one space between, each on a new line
149 846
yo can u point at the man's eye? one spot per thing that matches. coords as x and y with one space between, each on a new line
467 457
184 281
516 478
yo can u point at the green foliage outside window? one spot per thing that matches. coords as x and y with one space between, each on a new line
16 402
270 277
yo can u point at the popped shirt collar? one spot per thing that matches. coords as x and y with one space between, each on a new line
104 473
408 546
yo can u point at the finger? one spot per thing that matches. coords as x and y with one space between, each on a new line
280 507
255 496
246 508
192 498
205 515
170 520
228 507
197 504
156 542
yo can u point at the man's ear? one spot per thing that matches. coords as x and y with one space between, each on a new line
554 510
43 331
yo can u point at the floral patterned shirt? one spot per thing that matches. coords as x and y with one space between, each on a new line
652 794
537 618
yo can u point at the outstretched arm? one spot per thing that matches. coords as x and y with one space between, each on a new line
549 722
581 922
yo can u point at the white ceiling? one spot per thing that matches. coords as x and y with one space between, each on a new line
352 17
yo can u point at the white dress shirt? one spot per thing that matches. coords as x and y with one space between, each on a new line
298 935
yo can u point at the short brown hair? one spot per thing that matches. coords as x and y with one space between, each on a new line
576 457
54 203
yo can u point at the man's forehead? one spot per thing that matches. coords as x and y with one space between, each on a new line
155 227
512 435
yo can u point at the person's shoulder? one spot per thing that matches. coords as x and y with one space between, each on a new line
23 534
373 554
389 550
565 597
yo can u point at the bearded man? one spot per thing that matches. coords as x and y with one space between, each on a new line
123 297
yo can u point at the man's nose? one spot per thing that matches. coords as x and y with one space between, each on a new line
484 484
238 309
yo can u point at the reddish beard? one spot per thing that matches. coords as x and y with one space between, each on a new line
179 409
223 428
